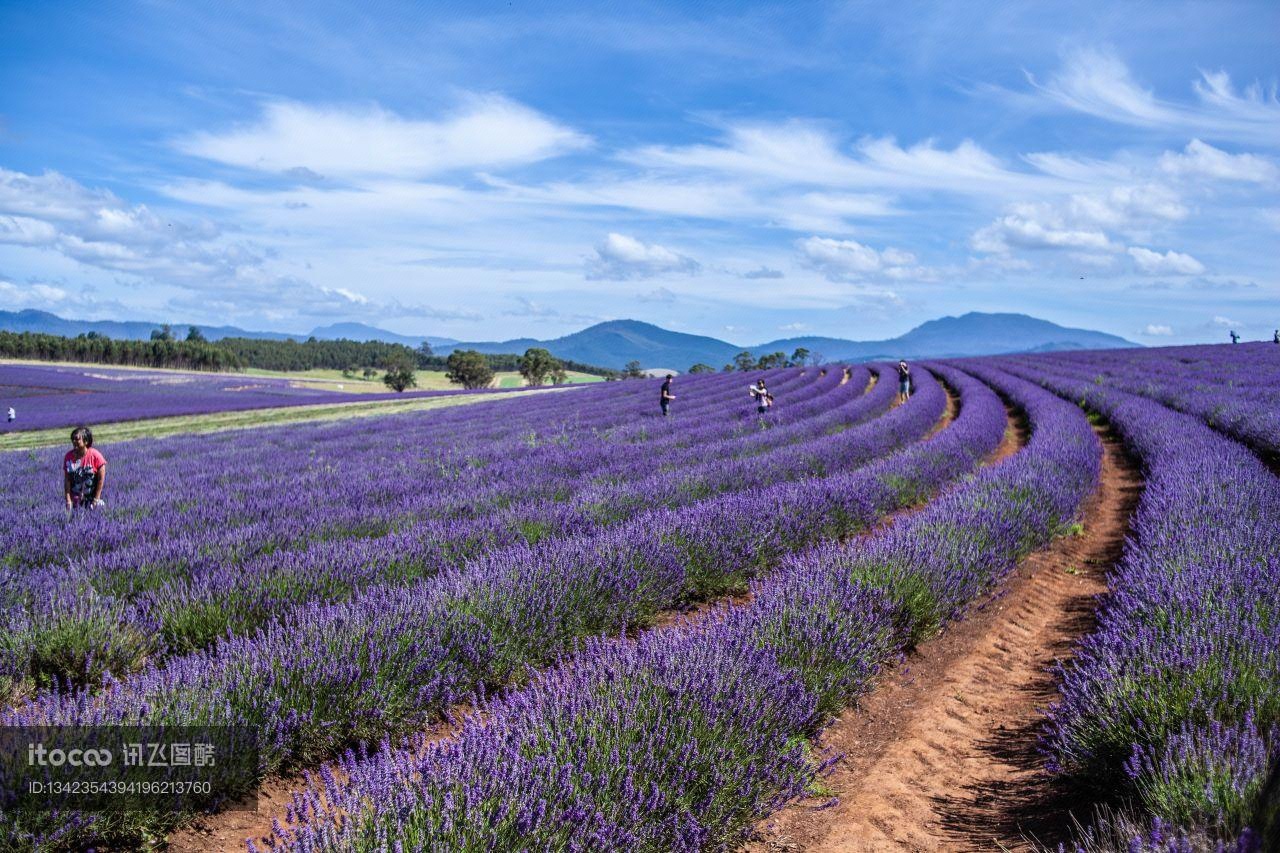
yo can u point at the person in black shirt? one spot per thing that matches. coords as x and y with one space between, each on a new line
666 397
904 382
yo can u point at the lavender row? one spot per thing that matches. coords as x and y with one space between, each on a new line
1234 389
395 658
67 627
1174 700
682 740
112 635
47 397
67 631
220 483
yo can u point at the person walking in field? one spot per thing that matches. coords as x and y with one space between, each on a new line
904 382
13 416
1235 339
666 396
84 471
1275 339
762 395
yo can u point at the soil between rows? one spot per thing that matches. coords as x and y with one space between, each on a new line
942 754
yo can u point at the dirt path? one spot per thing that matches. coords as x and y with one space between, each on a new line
941 755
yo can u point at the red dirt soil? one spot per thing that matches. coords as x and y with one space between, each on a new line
942 754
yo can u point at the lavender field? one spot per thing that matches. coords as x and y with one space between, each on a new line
55 396
640 625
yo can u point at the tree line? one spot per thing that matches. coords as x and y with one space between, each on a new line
99 349
468 368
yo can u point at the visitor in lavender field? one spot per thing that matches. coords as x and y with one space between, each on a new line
84 471
13 416
666 397
763 396
904 382
1235 339
1275 339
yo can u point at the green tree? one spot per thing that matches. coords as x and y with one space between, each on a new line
370 372
702 368
559 376
771 360
632 370
399 374
800 357
164 333
424 354
195 335
537 364
744 361
469 369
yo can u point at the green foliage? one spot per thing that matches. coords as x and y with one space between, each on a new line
537 365
702 368
469 369
315 354
400 373
99 349
632 370
744 361
196 336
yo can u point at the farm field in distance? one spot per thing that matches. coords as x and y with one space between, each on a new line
674 626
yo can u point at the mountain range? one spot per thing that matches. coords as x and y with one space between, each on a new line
617 342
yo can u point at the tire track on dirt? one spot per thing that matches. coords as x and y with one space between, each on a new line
942 754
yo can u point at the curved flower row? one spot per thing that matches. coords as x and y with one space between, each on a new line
396 657
1174 700
70 625
1234 389
681 740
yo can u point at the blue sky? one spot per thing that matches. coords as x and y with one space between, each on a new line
748 171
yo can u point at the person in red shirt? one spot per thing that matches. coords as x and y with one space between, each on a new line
84 470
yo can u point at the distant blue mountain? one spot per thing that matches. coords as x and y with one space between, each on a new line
617 342
32 320
362 332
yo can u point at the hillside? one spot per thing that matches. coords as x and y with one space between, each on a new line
614 343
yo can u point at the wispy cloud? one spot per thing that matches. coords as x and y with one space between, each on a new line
1099 83
1203 160
295 139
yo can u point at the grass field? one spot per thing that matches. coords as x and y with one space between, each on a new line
216 421
332 380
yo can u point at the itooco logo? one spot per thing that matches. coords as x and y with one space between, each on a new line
38 755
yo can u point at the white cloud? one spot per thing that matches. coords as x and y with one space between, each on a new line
1203 160
488 132
1081 221
1037 226
25 231
802 153
621 257
1170 263
847 260
795 327
1156 330
1227 322
30 295
1098 82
